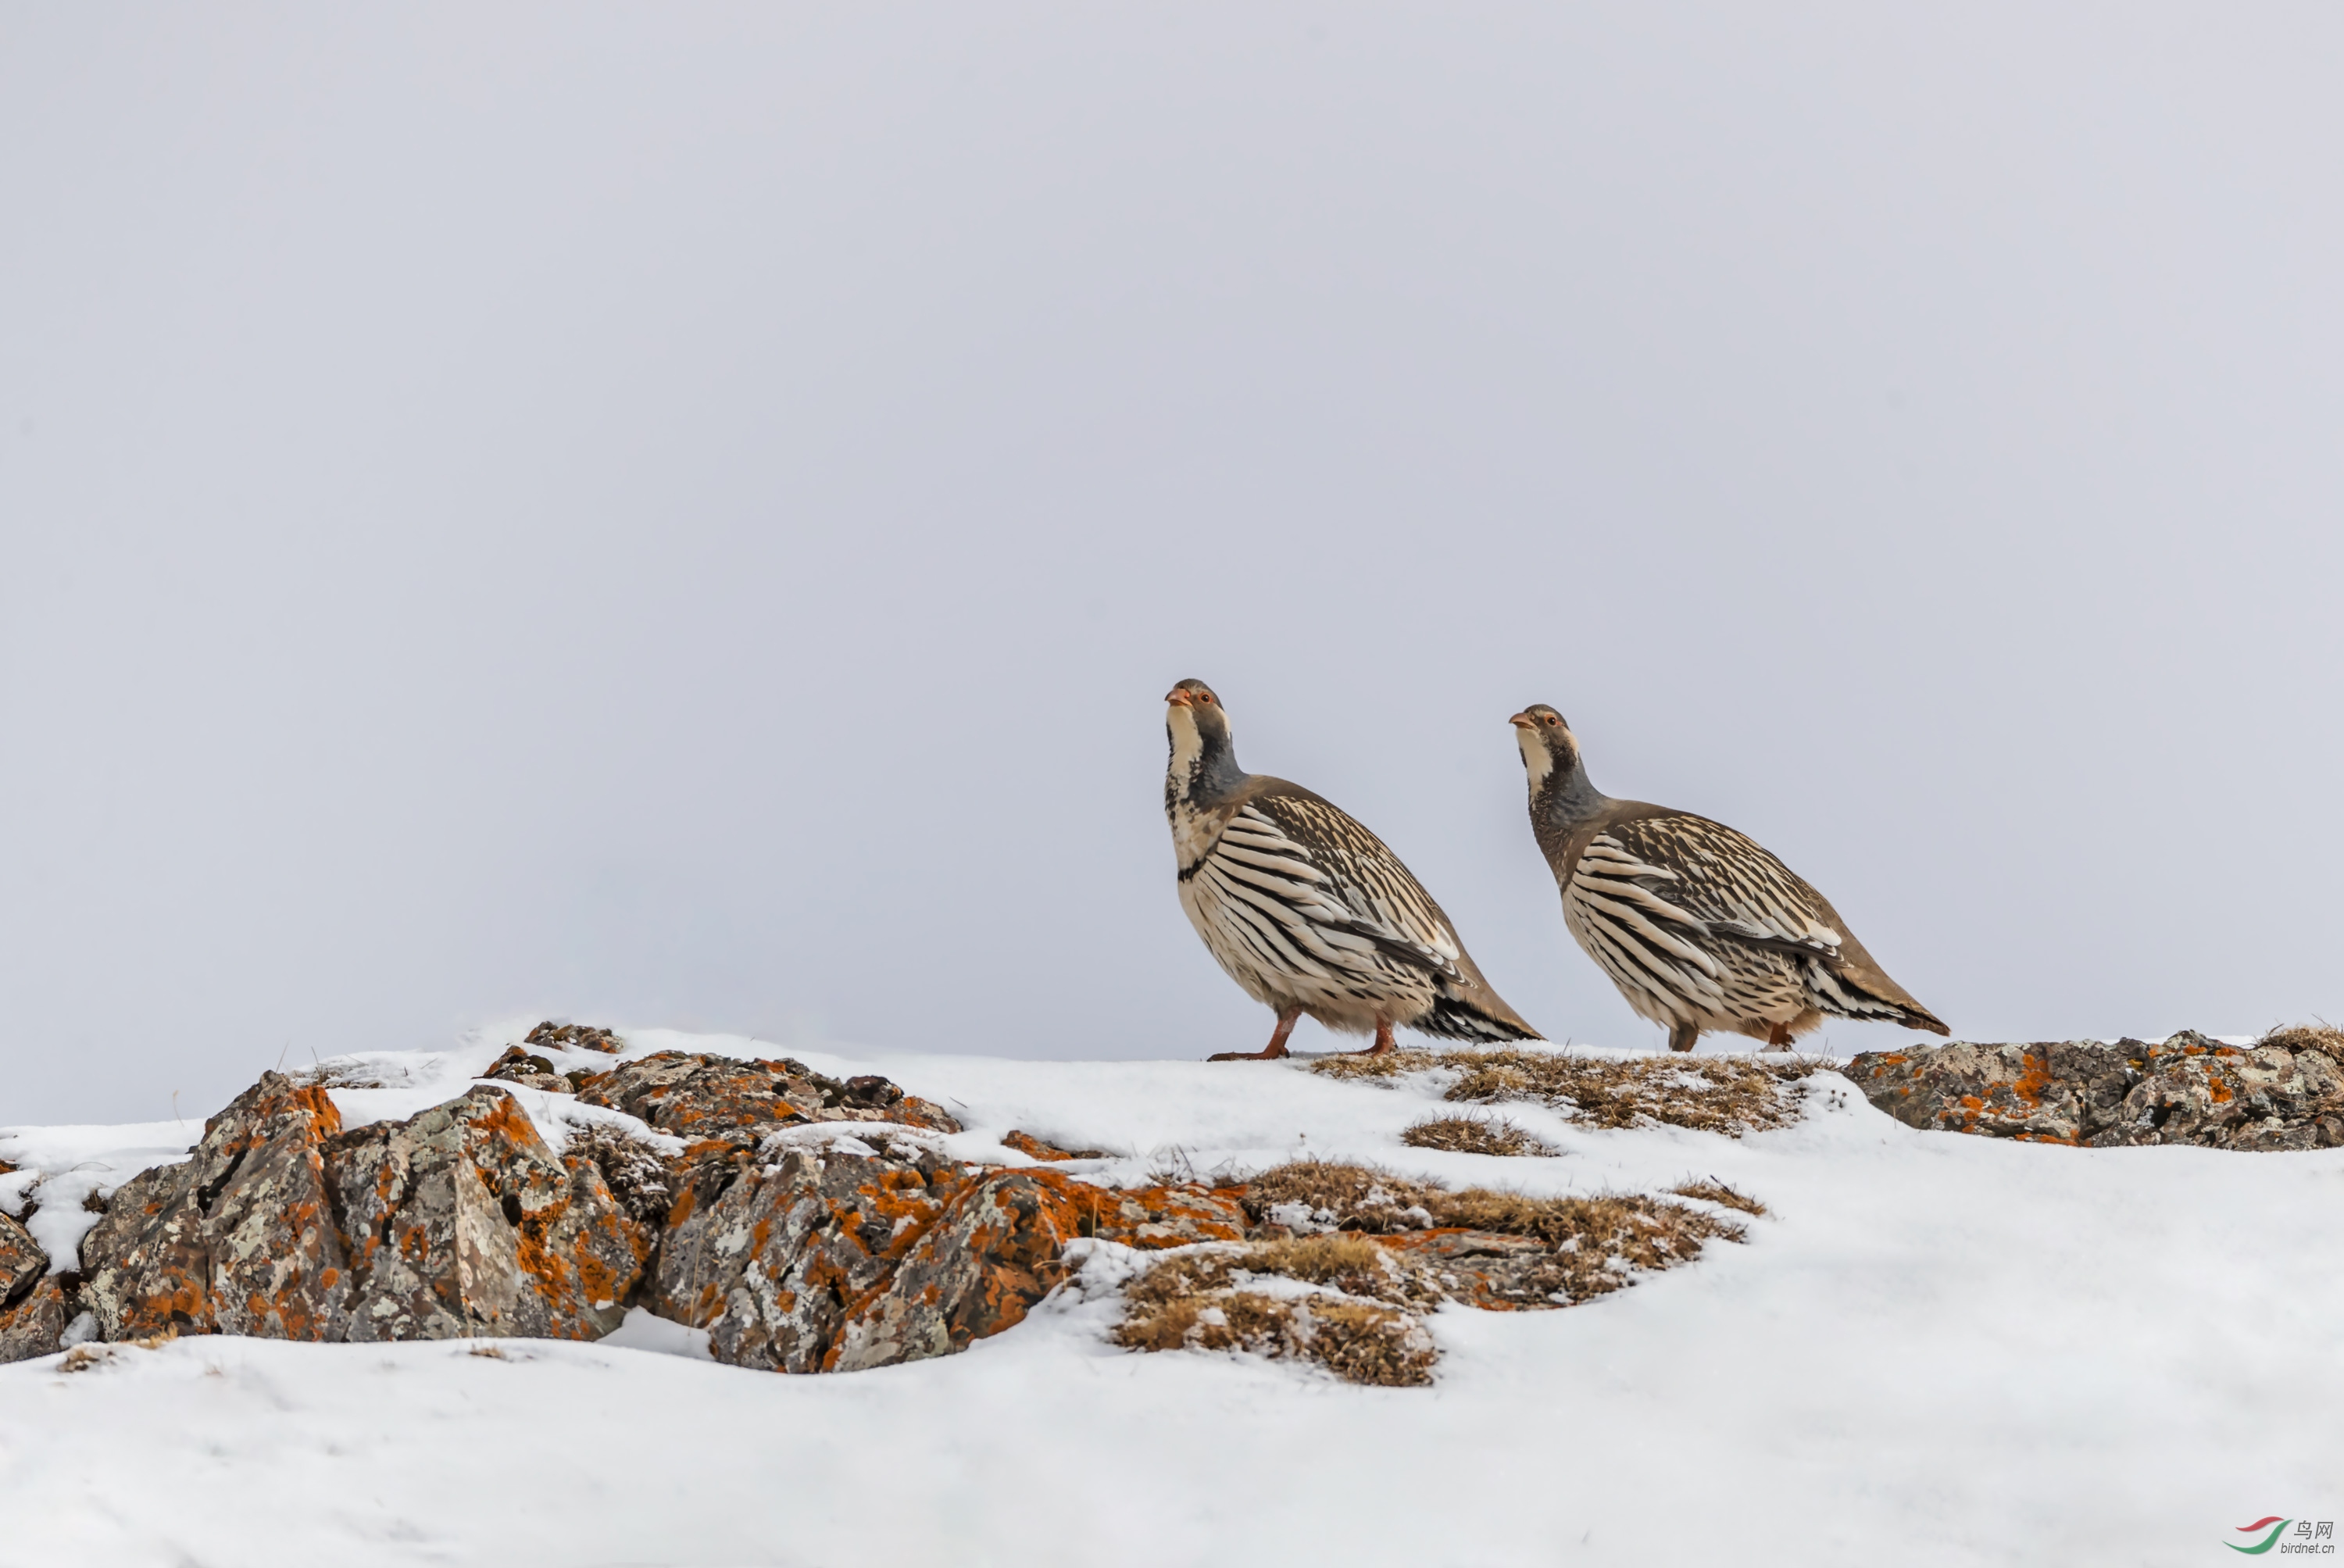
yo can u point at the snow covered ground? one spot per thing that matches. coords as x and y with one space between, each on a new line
1933 1350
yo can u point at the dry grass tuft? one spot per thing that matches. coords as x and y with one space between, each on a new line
1709 1189
1376 1197
1598 1237
1364 1335
1380 1248
1353 1066
1730 1095
2321 1038
1475 1135
1351 1264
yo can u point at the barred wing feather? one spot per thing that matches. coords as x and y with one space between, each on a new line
1706 877
1345 895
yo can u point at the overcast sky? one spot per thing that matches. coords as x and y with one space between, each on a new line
687 516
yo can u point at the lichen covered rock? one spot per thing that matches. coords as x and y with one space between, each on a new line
463 1222
34 1305
700 1097
2285 1092
1026 1143
282 1226
34 1323
772 1257
237 1240
21 1260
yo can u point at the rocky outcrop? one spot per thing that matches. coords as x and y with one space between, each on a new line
856 1251
810 1224
239 1238
700 1097
2284 1092
461 1222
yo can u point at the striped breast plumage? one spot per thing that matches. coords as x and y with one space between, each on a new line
1300 903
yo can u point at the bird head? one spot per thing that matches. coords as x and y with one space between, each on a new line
1198 728
1548 748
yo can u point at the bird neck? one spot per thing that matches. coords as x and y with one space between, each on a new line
1203 769
1566 798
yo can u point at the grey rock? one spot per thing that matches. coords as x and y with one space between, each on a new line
773 1258
702 1097
34 1323
463 1222
239 1239
977 1270
2189 1089
21 1260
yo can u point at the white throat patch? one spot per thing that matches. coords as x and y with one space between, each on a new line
1188 745
1535 757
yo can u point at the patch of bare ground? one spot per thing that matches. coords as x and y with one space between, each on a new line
1728 1095
1475 1135
1359 1253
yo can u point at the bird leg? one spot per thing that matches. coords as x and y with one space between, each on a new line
1682 1036
1385 1044
1271 1052
1778 1039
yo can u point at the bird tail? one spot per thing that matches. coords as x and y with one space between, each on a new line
1872 996
1466 1008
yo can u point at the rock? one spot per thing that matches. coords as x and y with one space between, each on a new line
34 1308
1027 1144
2285 1092
979 1270
700 1097
459 1222
34 1323
994 1254
237 1240
463 1222
828 1259
518 1066
554 1037
770 1258
21 1260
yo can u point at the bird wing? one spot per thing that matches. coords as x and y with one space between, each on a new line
1676 870
1333 884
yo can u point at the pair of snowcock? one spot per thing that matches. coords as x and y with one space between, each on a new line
1701 928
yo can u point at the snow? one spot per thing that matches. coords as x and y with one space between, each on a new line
1933 1350
60 1168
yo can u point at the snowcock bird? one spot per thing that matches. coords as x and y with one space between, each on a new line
1306 909
1699 927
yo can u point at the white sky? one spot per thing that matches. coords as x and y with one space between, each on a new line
687 517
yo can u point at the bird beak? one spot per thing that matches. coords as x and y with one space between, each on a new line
1178 698
1523 722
